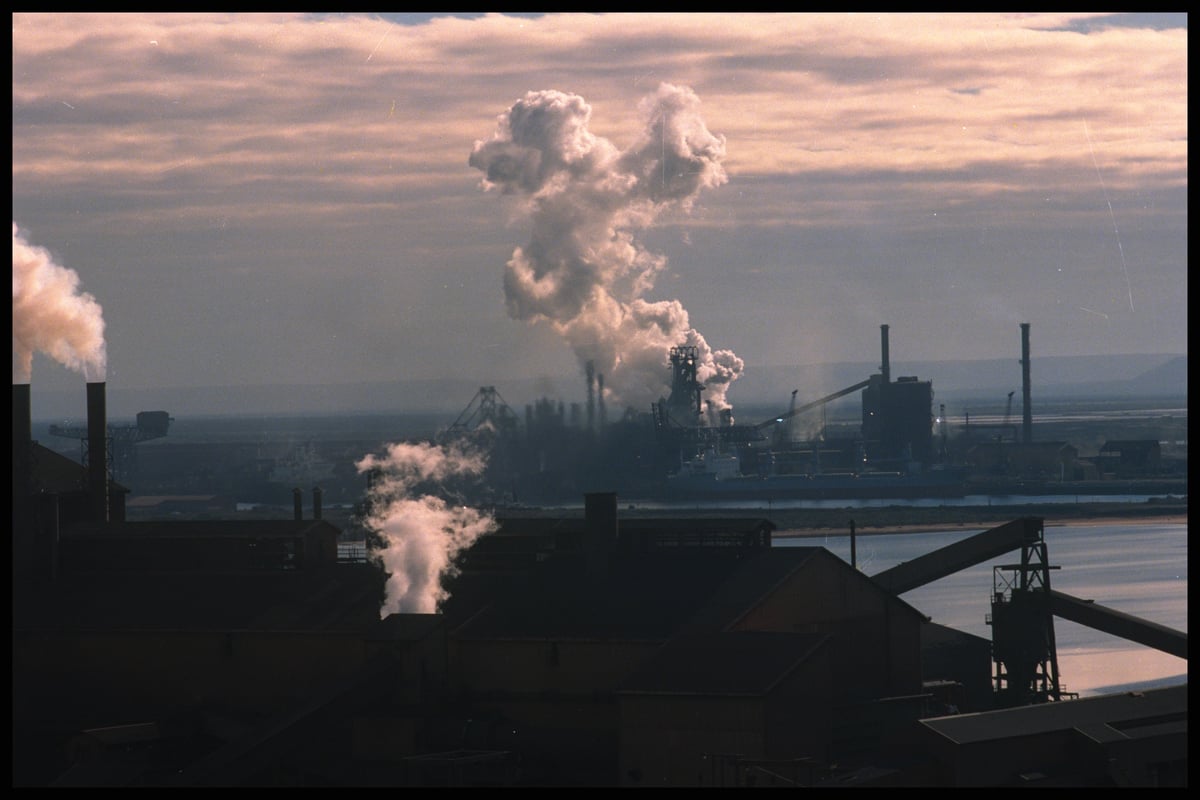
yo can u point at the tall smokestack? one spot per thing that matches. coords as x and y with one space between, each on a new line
22 433
22 481
590 369
1027 417
886 367
317 502
600 395
97 466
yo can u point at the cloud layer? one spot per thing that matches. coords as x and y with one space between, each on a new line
303 178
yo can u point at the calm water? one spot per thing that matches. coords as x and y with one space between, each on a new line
1136 569
972 500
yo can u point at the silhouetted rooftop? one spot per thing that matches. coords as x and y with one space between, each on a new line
344 597
733 663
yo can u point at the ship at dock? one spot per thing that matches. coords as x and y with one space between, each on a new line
718 477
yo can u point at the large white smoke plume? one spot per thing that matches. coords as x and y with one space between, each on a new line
584 271
51 315
420 532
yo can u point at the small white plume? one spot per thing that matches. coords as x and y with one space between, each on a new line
51 315
583 270
421 531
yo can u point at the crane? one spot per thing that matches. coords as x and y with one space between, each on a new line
122 438
1008 409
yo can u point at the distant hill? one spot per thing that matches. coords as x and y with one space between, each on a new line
1058 377
1120 376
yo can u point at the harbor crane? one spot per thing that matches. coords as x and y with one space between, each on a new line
122 453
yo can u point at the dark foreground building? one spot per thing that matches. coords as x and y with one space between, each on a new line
581 651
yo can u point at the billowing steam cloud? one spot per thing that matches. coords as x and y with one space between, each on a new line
420 532
583 271
51 315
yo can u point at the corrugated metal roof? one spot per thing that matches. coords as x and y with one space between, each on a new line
755 579
1122 712
638 596
731 663
644 596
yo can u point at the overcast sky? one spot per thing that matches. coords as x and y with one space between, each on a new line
252 199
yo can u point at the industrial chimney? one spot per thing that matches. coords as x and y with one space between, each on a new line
97 452
22 433
1027 417
600 401
22 480
591 395
886 367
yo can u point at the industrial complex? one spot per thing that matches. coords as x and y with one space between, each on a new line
682 449
577 649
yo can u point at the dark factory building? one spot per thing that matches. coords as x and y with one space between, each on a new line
1130 458
1053 460
704 699
897 416
1132 739
583 650
569 655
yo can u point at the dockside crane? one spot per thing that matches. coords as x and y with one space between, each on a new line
1008 410
122 453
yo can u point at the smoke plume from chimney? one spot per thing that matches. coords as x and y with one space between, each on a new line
51 315
421 532
584 271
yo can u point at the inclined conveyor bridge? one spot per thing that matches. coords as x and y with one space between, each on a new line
1023 607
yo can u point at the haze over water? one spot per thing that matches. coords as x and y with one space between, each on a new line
1138 569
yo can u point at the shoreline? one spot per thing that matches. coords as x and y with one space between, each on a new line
945 527
924 519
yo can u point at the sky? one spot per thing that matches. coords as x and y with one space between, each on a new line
253 199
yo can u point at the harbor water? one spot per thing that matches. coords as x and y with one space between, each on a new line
1137 569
